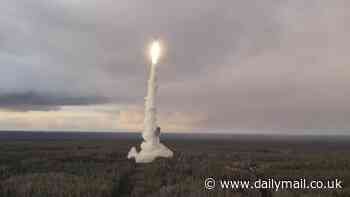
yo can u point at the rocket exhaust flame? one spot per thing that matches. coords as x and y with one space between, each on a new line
151 147
155 52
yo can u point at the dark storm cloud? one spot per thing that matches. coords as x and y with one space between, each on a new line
35 101
240 64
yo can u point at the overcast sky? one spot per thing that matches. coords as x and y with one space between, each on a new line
233 66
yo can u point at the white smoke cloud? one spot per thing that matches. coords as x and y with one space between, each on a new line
151 147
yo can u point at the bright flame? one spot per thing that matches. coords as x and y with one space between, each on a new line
155 52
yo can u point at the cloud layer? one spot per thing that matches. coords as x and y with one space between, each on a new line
231 64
